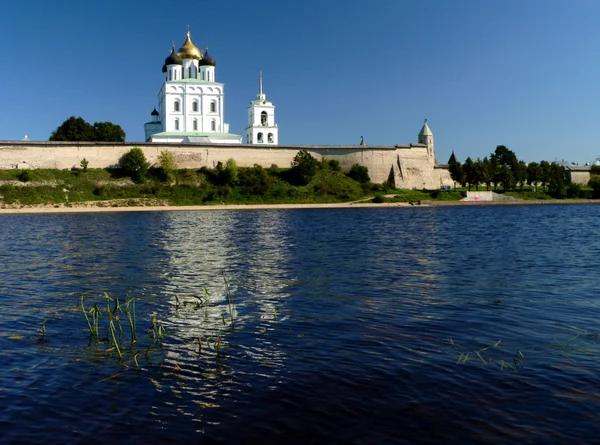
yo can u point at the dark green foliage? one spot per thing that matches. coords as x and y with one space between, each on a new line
108 132
77 129
334 165
135 164
456 171
595 170
594 183
573 190
304 168
24 175
84 164
558 181
359 173
544 177
470 172
227 174
74 129
255 180
534 173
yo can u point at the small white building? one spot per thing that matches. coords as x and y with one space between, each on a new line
191 104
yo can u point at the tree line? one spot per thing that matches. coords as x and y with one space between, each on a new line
76 129
503 169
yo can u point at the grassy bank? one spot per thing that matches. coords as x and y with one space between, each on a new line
204 186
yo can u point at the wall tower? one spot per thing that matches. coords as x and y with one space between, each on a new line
426 138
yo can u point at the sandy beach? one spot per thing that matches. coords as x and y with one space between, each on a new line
90 208
112 206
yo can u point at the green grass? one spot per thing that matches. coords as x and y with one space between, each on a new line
204 187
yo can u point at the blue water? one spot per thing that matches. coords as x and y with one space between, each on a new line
398 325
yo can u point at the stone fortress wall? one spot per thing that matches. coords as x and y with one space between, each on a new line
409 166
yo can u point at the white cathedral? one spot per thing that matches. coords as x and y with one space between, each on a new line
191 104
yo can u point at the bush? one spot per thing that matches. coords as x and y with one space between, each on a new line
304 168
227 174
255 181
359 173
573 190
167 165
135 164
25 176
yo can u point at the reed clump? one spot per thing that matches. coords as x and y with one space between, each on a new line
117 315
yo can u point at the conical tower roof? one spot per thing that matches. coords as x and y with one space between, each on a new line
425 131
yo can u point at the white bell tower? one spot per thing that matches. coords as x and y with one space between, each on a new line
261 128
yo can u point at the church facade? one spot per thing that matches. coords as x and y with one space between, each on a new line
191 104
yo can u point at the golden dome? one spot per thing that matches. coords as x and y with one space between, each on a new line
188 50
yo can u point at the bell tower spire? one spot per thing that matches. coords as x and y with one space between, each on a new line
261 128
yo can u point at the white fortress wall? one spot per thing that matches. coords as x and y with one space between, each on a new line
409 165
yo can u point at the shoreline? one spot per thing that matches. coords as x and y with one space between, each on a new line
90 208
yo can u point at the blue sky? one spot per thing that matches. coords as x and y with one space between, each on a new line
524 74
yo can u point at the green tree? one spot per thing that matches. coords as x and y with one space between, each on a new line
135 164
486 174
505 177
167 165
456 170
558 181
359 173
520 174
469 170
544 173
255 180
533 174
304 168
227 174
108 132
74 129
594 183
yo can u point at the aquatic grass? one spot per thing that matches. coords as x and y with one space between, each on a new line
518 359
229 299
42 330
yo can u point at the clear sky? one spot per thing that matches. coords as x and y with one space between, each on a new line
521 73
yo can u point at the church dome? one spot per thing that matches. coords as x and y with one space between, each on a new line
188 50
173 59
154 112
207 60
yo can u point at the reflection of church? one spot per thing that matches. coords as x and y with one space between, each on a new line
191 104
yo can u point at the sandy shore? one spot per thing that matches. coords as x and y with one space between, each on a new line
100 207
96 209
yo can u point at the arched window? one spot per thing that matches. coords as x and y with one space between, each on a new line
190 72
195 106
270 138
213 107
203 75
176 124
263 118
195 125
170 74
176 105
259 138
213 125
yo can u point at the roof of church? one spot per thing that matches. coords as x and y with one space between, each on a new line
188 50
425 131
173 59
207 60
154 112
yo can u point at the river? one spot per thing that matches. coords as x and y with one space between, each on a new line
360 326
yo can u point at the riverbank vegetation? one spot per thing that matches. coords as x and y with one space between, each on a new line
503 171
307 180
